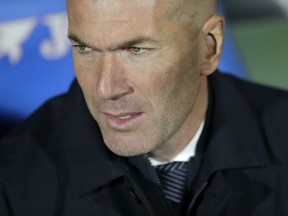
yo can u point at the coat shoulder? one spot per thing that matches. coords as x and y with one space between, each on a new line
259 97
29 143
269 106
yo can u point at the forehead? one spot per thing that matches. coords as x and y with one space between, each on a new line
102 11
101 22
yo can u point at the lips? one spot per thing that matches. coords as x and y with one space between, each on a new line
123 121
124 117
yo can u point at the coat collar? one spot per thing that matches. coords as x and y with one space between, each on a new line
235 138
90 164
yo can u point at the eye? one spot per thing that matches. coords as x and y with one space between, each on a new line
139 50
82 49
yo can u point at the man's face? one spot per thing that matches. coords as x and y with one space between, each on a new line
138 69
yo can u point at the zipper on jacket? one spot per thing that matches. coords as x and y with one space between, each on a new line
195 197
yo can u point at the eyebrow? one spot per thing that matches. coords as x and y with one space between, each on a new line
123 45
74 38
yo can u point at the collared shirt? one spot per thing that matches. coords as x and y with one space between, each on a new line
188 152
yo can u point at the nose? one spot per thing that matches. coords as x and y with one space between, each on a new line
112 83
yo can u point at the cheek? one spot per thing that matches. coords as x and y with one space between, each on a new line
176 87
159 87
85 73
86 77
171 78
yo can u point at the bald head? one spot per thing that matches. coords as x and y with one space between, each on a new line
195 11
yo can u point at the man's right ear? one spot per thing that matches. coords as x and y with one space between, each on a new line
213 35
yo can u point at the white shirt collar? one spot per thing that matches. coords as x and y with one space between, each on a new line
188 152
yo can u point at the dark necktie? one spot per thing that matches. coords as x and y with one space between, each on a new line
173 177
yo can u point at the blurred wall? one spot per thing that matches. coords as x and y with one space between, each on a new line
35 55
260 31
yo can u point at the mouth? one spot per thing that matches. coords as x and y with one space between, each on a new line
125 117
124 121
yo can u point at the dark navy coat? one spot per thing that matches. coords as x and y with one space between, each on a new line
56 164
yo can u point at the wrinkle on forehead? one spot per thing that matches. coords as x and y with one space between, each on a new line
108 22
111 11
150 15
103 25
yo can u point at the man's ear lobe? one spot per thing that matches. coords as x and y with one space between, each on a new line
213 33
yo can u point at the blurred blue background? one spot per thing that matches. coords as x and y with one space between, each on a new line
35 56
36 61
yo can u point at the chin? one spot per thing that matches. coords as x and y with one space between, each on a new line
128 149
